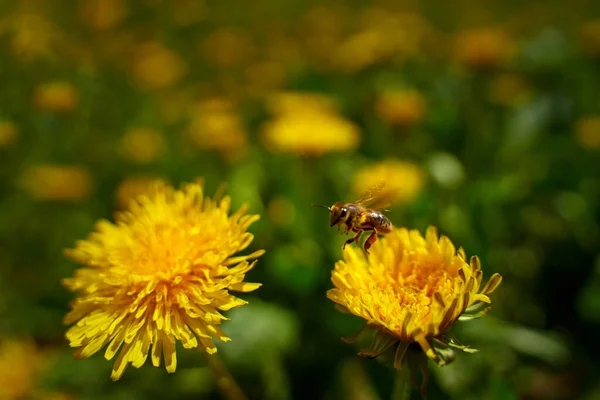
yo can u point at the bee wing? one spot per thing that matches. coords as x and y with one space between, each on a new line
376 197
382 203
370 194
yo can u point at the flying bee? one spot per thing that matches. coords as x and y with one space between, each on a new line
360 216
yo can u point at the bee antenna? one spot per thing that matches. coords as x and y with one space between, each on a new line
322 206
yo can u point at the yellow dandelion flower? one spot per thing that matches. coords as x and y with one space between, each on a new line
20 365
161 274
590 37
57 182
406 30
142 145
8 133
401 107
292 102
31 36
483 48
403 179
216 124
313 128
310 134
587 132
383 36
157 67
363 49
102 14
412 289
56 97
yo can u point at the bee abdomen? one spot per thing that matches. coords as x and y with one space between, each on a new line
386 225
376 220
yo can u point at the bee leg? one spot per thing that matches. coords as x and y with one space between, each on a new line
370 241
352 239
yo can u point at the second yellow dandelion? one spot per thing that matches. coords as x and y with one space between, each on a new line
412 289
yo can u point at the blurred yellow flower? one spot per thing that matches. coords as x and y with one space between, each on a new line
508 89
412 289
587 132
56 97
31 36
8 133
57 182
157 67
401 107
308 125
405 30
133 187
483 48
142 145
363 49
382 36
403 179
161 274
215 124
227 47
188 12
590 37
20 365
102 14
290 102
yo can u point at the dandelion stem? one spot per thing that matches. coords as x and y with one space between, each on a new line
402 384
228 386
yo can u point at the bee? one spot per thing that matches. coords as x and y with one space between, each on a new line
359 216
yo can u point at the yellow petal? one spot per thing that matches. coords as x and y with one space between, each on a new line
120 363
492 284
169 354
427 349
245 287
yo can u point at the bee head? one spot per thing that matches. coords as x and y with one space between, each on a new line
338 214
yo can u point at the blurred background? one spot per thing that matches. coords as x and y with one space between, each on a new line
484 115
